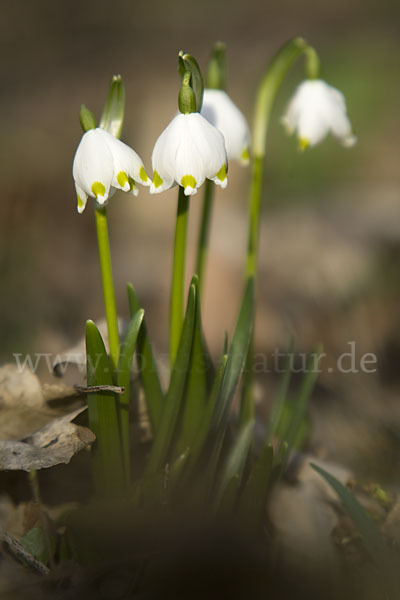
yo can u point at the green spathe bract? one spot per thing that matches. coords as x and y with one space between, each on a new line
187 62
113 114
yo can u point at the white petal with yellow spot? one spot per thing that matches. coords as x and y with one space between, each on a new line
187 152
315 110
102 164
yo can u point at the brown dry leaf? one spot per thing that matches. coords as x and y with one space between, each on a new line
26 406
55 443
33 433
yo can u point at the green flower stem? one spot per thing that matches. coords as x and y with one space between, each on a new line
204 232
254 214
267 92
178 274
108 285
271 82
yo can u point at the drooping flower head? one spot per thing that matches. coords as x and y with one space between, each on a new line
315 110
102 163
190 149
219 109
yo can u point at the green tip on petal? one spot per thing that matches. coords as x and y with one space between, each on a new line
245 156
188 181
157 180
98 189
303 144
133 187
123 181
143 175
221 175
81 205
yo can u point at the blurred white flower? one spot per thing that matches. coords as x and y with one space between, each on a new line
221 112
187 152
315 110
102 164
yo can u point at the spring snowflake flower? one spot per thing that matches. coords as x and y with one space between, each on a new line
221 112
102 163
187 152
315 110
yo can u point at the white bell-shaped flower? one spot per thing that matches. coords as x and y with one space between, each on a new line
221 112
187 152
102 163
315 110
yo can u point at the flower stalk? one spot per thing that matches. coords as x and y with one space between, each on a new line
108 283
204 233
178 274
267 92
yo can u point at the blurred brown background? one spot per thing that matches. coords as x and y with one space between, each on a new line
330 245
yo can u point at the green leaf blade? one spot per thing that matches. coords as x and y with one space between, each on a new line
103 416
237 354
147 366
123 377
173 400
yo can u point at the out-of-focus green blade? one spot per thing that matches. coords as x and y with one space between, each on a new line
124 379
254 496
204 428
147 366
197 389
299 408
229 497
365 525
236 459
103 416
173 400
236 355
281 399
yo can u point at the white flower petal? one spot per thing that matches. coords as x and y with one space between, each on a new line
315 110
221 112
93 167
81 198
127 164
187 151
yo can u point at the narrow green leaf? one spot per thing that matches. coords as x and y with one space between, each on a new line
173 400
365 525
254 496
299 407
237 355
103 416
247 396
229 496
177 468
204 428
147 366
281 399
113 114
197 389
236 459
124 379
